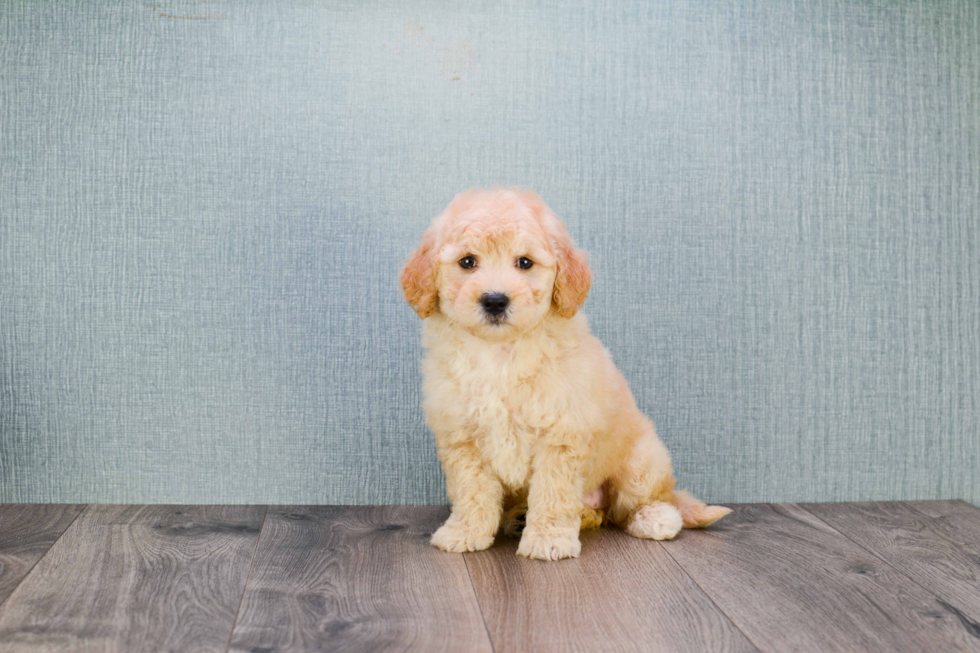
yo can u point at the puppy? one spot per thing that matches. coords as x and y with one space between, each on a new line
529 413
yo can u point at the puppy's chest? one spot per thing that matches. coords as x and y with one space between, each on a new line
500 400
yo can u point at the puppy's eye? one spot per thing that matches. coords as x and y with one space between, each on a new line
524 263
467 262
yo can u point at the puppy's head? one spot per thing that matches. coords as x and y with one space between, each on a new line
497 263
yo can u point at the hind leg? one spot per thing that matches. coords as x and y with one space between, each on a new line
642 490
655 521
592 519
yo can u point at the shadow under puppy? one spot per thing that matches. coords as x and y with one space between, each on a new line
529 412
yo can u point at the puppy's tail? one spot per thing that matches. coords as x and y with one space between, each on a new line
694 513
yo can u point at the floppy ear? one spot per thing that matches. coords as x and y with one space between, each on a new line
418 277
573 277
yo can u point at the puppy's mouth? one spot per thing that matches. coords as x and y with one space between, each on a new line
495 320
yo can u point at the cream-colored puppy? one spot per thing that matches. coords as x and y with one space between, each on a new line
528 411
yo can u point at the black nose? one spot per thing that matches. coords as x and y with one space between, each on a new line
494 303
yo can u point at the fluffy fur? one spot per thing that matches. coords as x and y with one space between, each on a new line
536 429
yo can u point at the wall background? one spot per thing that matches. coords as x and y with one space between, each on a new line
204 206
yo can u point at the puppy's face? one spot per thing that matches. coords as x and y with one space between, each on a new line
496 263
495 274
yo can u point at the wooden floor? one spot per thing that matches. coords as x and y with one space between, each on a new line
770 577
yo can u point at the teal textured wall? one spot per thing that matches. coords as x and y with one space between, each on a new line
204 206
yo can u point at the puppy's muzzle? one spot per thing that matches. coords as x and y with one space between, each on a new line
494 304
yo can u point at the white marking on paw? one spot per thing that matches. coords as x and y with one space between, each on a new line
657 521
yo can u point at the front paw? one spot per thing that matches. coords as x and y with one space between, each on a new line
458 539
541 546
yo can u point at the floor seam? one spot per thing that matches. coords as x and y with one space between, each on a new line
710 598
248 577
885 560
45 554
476 596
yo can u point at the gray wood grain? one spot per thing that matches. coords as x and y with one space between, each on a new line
935 543
136 578
791 582
27 531
622 594
357 579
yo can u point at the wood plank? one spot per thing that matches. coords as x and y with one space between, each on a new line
935 543
357 579
622 594
27 531
791 582
136 578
